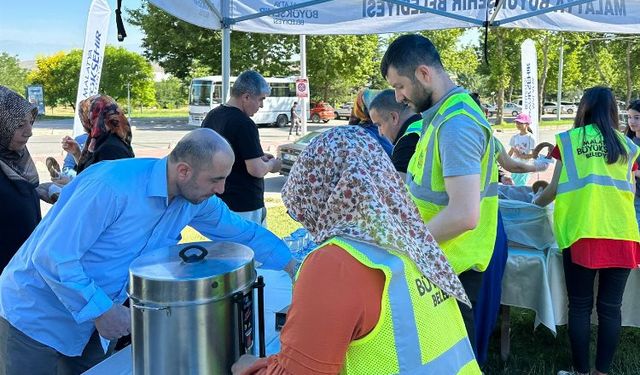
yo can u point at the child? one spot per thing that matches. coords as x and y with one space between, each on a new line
522 145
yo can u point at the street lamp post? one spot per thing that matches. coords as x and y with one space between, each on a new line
129 100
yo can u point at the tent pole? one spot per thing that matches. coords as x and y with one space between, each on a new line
226 50
303 74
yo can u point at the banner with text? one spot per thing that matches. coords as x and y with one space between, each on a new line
530 84
95 40
378 16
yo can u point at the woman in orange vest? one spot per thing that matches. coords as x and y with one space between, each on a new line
343 185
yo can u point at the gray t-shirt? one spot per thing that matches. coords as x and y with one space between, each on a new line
461 141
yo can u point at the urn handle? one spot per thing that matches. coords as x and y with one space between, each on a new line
192 258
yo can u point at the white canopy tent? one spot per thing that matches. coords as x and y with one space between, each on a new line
322 17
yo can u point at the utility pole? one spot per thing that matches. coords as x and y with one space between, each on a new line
560 64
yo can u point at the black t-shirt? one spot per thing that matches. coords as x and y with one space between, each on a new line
20 216
242 191
404 146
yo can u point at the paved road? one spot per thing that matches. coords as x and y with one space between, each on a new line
156 137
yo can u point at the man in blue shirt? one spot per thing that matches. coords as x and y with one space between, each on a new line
67 283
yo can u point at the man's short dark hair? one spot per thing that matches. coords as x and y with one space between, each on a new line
385 102
407 52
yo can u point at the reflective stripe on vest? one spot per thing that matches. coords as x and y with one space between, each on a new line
425 191
407 343
414 128
575 182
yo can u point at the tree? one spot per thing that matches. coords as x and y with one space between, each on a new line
459 60
11 74
339 65
59 75
122 67
175 44
171 93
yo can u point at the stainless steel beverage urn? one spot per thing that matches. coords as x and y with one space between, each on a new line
192 308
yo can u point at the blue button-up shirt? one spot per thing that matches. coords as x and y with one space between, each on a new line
74 266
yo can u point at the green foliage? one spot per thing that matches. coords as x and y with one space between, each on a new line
122 67
181 48
457 59
171 93
339 65
11 74
59 75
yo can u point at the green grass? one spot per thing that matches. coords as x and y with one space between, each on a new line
533 352
278 222
59 113
539 353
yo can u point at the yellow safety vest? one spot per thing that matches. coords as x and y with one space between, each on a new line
472 249
420 330
594 199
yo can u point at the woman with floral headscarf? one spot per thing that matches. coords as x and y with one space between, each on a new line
108 129
374 297
360 116
18 175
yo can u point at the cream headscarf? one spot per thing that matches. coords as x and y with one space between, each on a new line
343 184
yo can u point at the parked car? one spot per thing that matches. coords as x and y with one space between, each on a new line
321 111
511 108
289 152
569 107
344 111
565 107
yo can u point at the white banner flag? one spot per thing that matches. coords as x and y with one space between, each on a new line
530 84
95 40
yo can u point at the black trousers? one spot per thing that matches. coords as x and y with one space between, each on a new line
580 280
472 282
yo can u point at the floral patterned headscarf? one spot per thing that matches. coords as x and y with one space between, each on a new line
101 116
360 111
343 184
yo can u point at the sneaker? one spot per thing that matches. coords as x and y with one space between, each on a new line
562 372
53 167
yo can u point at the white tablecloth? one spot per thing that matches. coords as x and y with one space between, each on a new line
534 279
277 296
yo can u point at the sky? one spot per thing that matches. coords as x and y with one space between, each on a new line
42 27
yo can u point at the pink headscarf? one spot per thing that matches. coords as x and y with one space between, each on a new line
344 184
